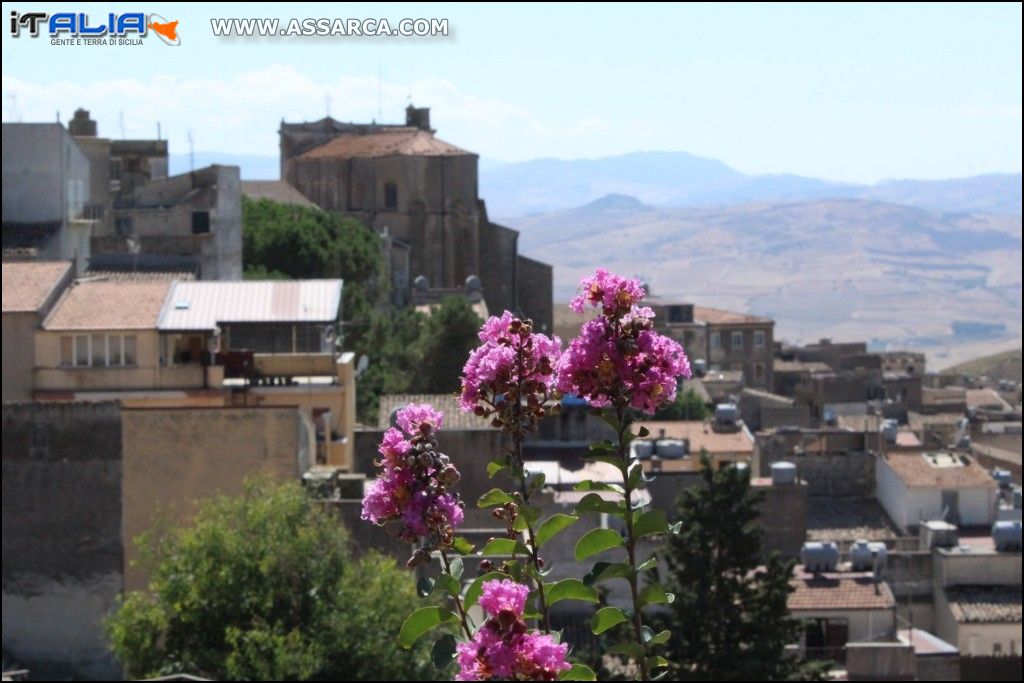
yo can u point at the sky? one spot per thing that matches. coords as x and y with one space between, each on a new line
855 93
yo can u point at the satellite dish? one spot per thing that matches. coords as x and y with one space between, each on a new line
362 364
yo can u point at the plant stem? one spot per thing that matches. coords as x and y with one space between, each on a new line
517 451
463 617
634 590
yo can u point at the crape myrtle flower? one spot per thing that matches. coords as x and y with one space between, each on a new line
414 495
618 358
513 366
503 648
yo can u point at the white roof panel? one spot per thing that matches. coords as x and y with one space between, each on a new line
204 304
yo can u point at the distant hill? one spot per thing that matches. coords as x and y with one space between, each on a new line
896 276
675 179
1005 365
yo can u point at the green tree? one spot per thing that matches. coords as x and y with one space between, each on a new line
286 240
729 618
687 406
446 338
265 587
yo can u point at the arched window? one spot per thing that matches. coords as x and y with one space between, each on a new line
390 196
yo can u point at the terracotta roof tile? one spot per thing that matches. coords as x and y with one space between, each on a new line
953 471
394 142
838 590
276 190
106 305
28 284
454 417
985 604
700 435
717 316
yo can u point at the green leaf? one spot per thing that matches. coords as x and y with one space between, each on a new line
603 446
537 480
596 541
654 594
604 571
443 651
476 588
650 563
461 545
494 467
636 475
504 546
421 621
588 485
527 515
569 589
493 498
448 584
656 662
424 586
605 618
578 672
660 638
643 432
650 522
593 502
456 568
554 525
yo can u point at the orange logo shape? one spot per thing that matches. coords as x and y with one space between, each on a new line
168 30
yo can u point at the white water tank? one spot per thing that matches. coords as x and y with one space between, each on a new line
783 473
863 554
817 557
889 430
642 449
1007 536
726 413
1002 476
670 449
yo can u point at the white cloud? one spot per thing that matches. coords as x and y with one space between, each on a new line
241 114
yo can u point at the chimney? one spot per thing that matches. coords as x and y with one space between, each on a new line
81 125
418 117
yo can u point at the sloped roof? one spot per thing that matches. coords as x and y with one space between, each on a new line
277 190
985 604
406 141
838 591
107 305
202 305
719 317
917 470
28 284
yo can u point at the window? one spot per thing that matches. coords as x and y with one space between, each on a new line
67 356
758 370
182 349
716 340
390 196
97 350
759 339
200 222
737 340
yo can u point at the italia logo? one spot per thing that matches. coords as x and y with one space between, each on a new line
64 26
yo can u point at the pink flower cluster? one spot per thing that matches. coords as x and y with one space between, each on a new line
512 365
614 294
618 357
414 493
503 648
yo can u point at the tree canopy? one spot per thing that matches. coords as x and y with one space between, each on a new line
729 618
266 587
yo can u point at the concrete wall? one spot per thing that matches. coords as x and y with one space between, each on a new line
174 458
747 356
45 174
62 557
862 624
783 518
909 506
975 639
148 373
880 662
842 468
19 333
498 247
976 567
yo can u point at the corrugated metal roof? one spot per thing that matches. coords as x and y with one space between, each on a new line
202 305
